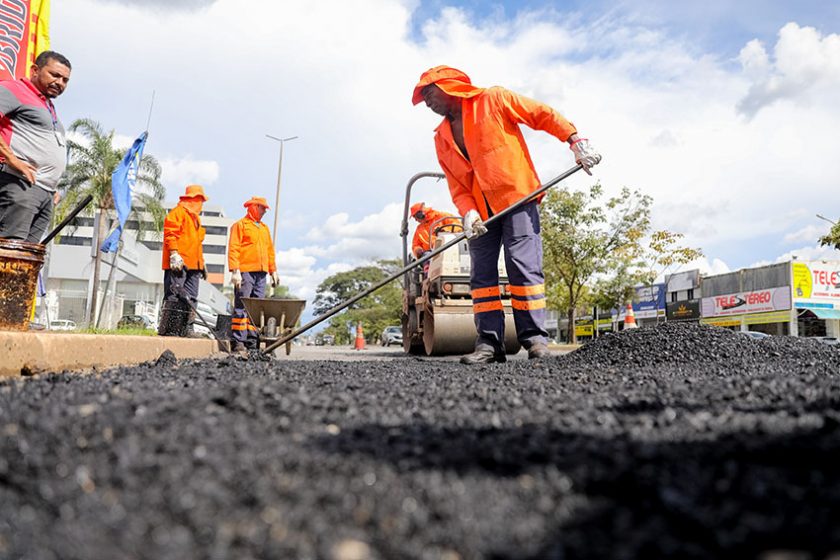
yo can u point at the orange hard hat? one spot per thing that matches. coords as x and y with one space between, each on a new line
194 191
416 208
452 80
257 201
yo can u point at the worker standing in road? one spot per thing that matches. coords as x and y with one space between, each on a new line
424 237
183 260
33 147
251 261
487 165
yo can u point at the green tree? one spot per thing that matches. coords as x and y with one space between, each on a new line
582 236
832 238
375 311
641 263
89 172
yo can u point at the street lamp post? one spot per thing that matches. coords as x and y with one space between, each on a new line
279 173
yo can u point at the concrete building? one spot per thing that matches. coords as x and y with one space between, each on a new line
138 275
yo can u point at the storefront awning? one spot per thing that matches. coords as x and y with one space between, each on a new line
826 313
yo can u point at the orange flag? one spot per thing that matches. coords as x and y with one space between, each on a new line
24 34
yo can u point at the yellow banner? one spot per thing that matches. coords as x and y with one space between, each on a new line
24 34
764 318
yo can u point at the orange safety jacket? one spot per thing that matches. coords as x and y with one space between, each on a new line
499 170
250 248
182 232
424 238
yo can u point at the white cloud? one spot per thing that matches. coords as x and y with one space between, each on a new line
810 253
804 60
179 172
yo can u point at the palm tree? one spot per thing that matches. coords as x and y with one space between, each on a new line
89 171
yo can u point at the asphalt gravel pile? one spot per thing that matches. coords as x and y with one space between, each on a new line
681 441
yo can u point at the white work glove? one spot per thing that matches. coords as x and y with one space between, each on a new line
275 279
236 278
473 224
176 263
585 155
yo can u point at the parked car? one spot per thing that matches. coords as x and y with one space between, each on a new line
135 322
62 325
391 335
830 340
755 334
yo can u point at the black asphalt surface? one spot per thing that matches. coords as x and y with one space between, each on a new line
679 441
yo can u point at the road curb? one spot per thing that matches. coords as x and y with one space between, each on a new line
26 353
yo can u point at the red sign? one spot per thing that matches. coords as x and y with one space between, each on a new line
759 301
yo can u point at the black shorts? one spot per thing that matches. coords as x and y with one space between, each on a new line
25 210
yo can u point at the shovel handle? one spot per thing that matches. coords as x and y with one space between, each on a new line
85 201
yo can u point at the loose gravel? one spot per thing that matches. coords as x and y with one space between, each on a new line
682 441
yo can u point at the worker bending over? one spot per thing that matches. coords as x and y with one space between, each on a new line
424 237
183 261
488 168
250 260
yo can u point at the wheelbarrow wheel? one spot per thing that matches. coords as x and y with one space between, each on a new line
271 327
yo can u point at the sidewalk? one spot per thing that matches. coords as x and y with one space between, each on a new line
28 353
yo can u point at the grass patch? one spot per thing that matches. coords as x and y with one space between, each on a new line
132 331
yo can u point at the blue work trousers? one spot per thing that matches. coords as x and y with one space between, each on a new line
253 285
519 233
185 281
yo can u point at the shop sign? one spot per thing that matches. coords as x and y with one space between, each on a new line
722 322
683 310
759 301
766 318
816 280
584 329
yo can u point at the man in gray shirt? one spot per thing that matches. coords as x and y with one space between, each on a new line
33 148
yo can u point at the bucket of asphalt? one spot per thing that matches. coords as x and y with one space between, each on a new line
20 262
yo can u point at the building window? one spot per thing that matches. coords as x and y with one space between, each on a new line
215 249
71 240
220 268
674 296
82 222
690 294
153 245
211 214
216 230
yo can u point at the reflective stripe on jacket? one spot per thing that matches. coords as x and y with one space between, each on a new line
182 232
250 248
499 170
421 234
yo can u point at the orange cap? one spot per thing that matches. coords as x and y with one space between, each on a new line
194 191
416 208
256 200
451 80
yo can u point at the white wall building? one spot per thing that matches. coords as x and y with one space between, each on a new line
138 275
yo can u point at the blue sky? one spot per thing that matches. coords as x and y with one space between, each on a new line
721 111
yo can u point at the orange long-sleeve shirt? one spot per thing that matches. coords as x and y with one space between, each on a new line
424 239
182 232
250 248
499 169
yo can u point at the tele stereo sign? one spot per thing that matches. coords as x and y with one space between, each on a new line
816 280
758 301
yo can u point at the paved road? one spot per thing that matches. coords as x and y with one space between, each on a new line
377 353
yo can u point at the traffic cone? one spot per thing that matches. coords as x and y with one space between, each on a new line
360 337
630 318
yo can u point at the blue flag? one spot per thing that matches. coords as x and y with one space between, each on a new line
122 182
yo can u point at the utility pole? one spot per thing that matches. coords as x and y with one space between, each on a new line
279 174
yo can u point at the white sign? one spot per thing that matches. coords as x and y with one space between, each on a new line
759 301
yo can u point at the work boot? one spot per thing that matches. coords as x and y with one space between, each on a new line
239 348
538 351
485 354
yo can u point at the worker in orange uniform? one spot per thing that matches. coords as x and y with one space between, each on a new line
251 261
424 237
488 168
183 259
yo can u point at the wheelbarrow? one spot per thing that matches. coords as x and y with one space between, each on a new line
273 318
